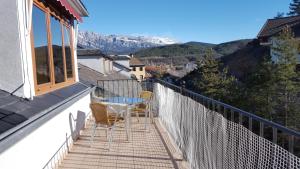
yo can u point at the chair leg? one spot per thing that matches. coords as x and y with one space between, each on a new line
138 118
106 133
146 119
93 133
111 135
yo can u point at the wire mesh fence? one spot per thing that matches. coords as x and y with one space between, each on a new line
215 135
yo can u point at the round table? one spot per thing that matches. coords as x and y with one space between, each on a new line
123 103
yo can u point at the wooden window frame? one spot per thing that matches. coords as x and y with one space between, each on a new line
51 86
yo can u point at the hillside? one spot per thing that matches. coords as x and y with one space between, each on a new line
195 49
243 61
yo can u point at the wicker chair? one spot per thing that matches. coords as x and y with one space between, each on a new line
104 118
143 108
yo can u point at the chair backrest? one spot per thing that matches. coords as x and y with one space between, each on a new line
100 113
146 95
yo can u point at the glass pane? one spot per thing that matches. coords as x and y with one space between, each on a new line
69 63
59 71
40 45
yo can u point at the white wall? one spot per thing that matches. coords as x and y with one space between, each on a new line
93 62
34 151
272 52
107 66
11 68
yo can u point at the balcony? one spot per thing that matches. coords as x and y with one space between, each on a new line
145 149
189 131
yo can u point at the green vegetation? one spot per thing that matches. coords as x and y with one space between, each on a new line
294 8
271 90
196 49
209 79
287 84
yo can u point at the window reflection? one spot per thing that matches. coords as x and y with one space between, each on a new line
40 45
57 50
68 52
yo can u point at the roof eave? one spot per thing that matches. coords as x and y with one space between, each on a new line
80 8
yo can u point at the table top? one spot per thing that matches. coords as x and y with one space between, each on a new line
123 100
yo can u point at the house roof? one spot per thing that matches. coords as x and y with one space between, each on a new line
135 62
74 8
274 26
120 66
91 52
89 76
18 116
120 57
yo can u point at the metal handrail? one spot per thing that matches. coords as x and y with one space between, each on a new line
251 115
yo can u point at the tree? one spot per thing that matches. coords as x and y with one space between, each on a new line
279 15
287 86
294 8
259 87
211 80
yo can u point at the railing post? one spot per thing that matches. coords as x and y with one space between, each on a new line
240 119
67 143
232 115
250 123
274 135
261 129
291 144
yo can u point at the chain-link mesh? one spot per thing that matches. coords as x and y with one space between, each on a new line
210 141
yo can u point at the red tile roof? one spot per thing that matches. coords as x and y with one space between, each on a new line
135 62
274 26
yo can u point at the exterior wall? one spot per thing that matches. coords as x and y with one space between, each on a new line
139 73
94 62
34 150
107 66
274 57
12 76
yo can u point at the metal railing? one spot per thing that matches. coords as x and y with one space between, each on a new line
60 154
287 138
122 88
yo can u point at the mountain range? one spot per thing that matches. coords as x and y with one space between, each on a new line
120 44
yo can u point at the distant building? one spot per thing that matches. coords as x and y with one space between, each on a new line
137 68
272 28
121 64
96 60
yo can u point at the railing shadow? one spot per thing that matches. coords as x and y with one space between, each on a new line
76 125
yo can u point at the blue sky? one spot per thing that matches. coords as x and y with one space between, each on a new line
212 21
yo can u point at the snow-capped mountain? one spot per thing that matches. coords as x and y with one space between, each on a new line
120 44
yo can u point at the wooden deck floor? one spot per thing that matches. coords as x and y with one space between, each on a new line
151 149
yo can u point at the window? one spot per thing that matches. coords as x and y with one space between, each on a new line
67 45
142 77
133 69
52 49
57 50
141 68
40 46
